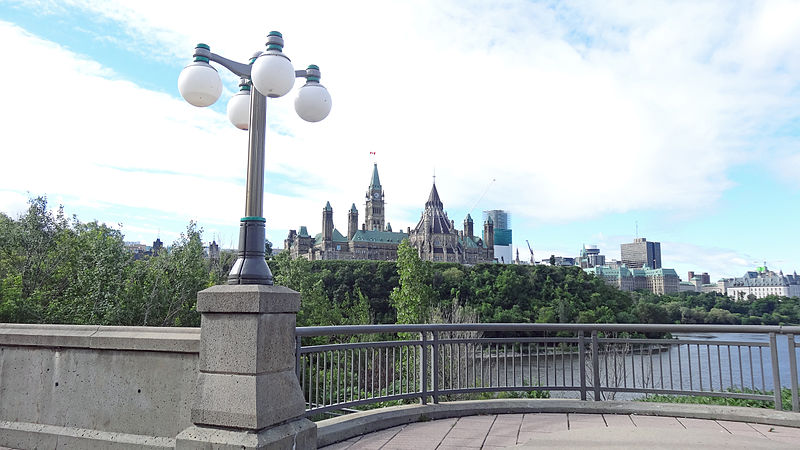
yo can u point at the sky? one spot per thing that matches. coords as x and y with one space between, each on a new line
677 121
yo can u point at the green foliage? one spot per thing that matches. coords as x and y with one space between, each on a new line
55 270
413 298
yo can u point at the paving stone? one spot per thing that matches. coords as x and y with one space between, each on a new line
366 445
524 436
544 422
500 441
702 424
656 422
618 421
505 430
777 433
403 446
475 426
506 425
468 433
740 429
581 421
462 442
509 418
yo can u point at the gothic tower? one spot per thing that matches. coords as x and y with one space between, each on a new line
468 231
327 223
374 211
488 234
352 222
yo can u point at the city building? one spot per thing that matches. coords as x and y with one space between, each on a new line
564 261
590 257
435 236
657 281
764 282
140 250
705 278
213 252
502 234
641 253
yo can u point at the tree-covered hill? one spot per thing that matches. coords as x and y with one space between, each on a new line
59 270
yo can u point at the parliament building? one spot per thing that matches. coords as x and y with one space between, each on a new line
435 236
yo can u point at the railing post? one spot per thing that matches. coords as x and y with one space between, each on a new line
435 366
793 371
596 365
582 362
776 373
423 377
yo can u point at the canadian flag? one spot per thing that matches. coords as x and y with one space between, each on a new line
371 153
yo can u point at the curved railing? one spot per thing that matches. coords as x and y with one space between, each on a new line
341 367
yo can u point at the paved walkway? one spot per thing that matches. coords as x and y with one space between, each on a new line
545 430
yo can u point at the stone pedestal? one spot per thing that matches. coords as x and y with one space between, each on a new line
248 395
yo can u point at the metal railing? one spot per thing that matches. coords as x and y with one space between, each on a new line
371 364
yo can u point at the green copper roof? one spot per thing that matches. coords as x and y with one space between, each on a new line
337 237
378 236
376 181
303 232
328 206
353 208
468 219
468 242
661 272
388 227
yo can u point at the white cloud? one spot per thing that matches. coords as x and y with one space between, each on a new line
577 109
13 204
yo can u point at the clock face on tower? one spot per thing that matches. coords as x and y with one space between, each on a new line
375 195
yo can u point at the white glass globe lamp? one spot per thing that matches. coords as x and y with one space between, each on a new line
273 75
313 102
199 83
239 108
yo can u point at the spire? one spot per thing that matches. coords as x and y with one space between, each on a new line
376 181
353 209
468 219
433 199
328 207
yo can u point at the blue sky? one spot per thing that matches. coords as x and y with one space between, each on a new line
681 117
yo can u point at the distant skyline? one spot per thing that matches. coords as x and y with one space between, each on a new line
592 116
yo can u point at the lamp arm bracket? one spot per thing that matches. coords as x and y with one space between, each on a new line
300 73
239 69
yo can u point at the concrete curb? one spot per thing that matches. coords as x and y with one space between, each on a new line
338 429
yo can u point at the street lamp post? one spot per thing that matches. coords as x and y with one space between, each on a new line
272 75
247 392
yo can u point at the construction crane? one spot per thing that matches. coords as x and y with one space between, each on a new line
531 249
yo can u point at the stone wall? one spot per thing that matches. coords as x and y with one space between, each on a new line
79 386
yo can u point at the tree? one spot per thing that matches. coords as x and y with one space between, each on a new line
413 297
162 290
552 260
